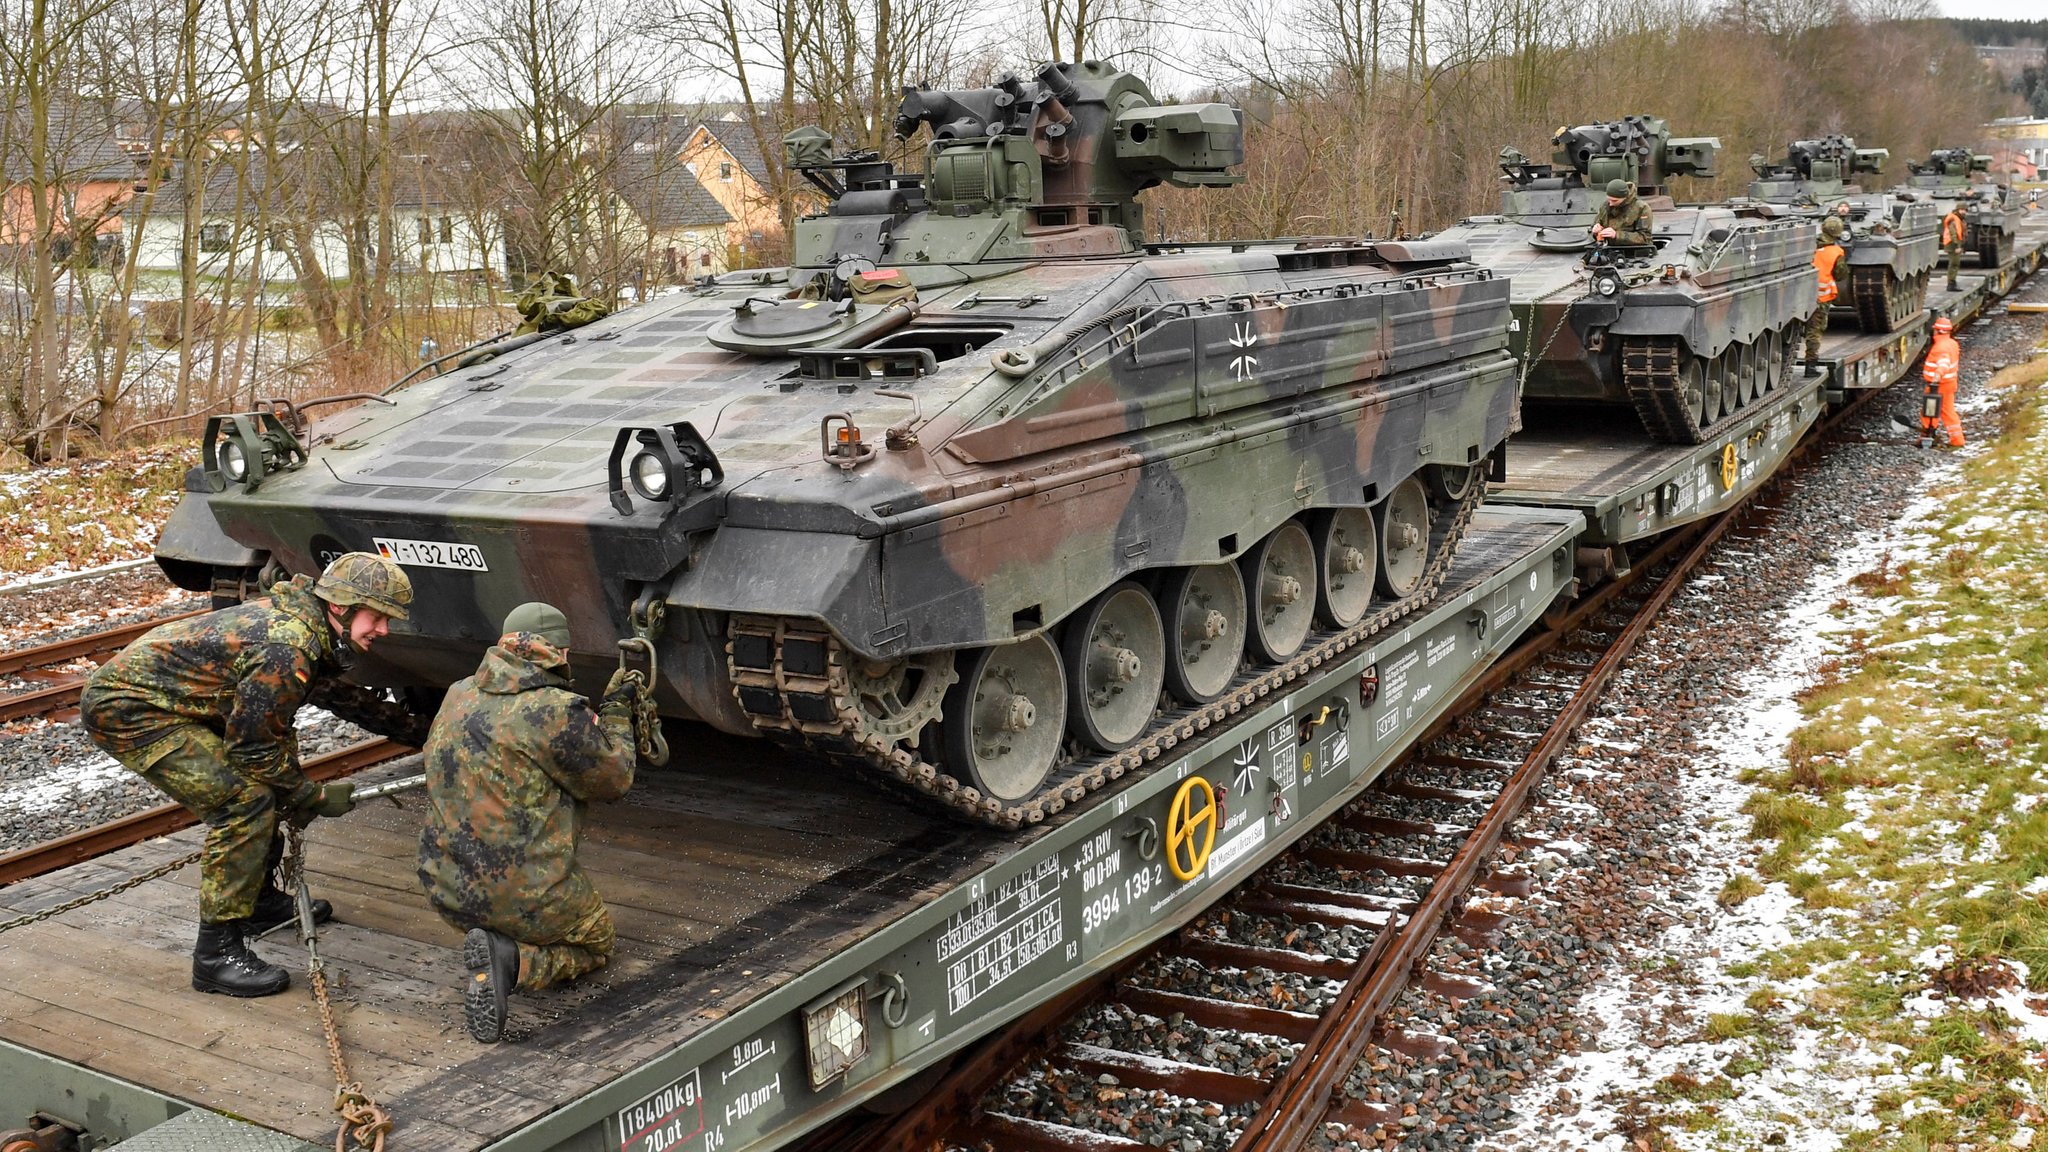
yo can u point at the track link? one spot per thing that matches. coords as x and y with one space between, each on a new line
1649 370
803 697
1885 301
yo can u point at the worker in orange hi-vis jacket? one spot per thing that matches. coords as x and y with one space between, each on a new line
1938 405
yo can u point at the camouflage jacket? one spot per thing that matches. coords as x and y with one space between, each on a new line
513 758
1630 220
241 671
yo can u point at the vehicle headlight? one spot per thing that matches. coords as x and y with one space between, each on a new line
650 476
234 460
244 450
1607 284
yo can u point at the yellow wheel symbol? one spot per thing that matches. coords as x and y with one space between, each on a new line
1729 460
1191 830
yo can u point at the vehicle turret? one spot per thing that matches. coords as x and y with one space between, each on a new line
1638 149
1029 167
1991 211
1817 169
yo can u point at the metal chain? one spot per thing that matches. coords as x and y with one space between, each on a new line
363 1123
157 872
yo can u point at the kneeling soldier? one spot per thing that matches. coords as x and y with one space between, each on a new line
514 757
204 709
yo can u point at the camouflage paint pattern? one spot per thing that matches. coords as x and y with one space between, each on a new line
1899 234
1720 280
1086 408
241 673
1992 211
514 757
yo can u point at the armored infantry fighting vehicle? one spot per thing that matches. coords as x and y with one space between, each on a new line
1892 242
981 494
1992 212
1686 330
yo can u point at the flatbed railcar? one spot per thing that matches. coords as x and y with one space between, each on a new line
781 960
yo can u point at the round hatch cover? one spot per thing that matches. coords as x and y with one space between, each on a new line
762 320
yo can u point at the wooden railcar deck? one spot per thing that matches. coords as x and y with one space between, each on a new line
723 878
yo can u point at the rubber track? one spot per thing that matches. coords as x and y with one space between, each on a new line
903 770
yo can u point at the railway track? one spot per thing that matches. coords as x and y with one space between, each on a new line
1242 1030
64 691
114 835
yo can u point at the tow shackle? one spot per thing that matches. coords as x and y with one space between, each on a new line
653 745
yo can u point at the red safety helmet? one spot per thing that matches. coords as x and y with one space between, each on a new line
1943 324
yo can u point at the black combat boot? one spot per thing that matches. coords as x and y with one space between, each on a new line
275 908
493 962
222 963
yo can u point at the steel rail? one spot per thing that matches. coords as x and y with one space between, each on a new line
40 702
947 1108
130 830
1301 1098
92 644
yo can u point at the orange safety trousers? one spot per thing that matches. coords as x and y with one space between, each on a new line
1944 360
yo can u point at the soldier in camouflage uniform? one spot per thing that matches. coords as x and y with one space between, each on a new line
1954 227
1624 219
204 709
1830 264
514 757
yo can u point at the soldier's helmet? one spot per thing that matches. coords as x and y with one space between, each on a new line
543 620
1831 227
365 580
1617 189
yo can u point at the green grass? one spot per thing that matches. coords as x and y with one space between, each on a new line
1903 817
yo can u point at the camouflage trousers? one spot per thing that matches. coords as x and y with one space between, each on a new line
1816 324
1955 262
190 766
558 941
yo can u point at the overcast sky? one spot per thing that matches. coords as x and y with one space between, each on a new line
1993 9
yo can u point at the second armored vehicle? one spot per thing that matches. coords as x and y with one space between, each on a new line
981 495
1990 210
1892 242
1685 330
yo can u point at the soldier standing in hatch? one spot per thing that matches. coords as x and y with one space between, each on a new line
514 758
1828 260
204 710
1624 219
1953 229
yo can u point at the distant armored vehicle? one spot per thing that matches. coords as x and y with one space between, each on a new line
1991 210
981 495
1686 330
1892 242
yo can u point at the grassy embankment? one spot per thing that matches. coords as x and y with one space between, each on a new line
1910 801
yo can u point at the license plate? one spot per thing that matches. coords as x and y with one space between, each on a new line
432 554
